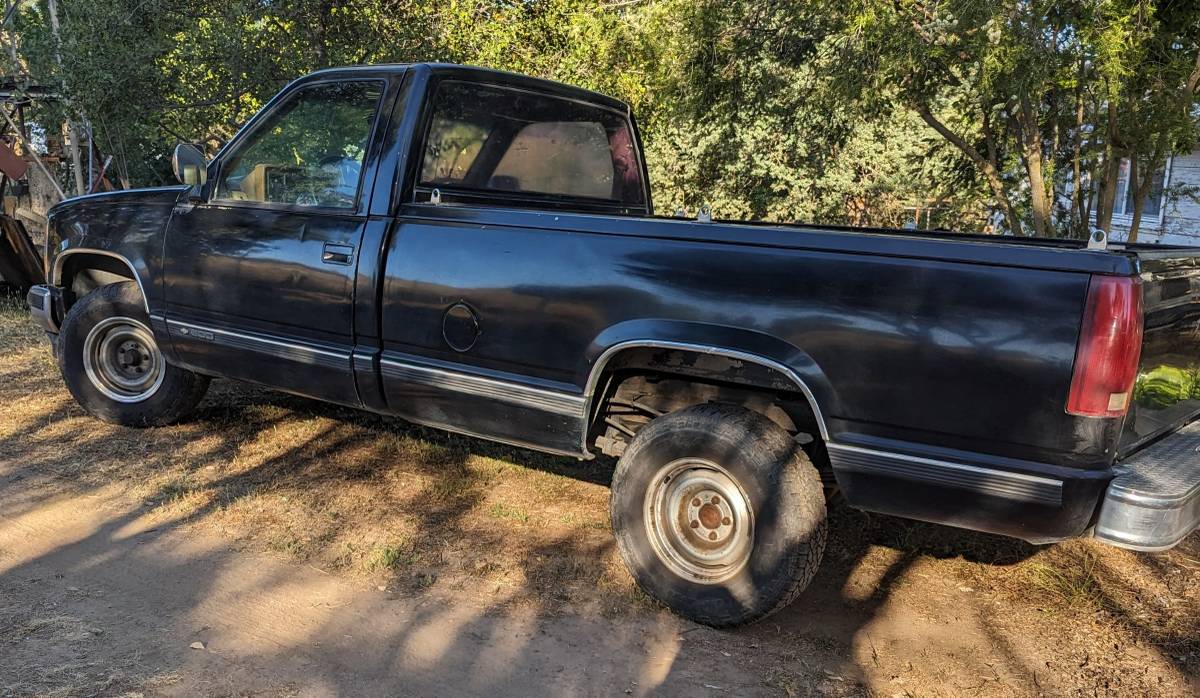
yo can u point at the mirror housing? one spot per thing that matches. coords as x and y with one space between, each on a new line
190 167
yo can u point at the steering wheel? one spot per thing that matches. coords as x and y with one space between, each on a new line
339 192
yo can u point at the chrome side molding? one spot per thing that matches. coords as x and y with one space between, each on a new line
553 401
297 352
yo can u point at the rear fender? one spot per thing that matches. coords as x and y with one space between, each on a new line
789 366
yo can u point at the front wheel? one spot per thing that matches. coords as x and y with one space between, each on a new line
113 366
718 514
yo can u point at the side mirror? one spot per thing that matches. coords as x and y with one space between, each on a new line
189 165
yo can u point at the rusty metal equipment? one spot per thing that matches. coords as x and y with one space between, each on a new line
20 263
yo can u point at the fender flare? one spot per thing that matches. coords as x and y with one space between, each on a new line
56 272
598 370
750 346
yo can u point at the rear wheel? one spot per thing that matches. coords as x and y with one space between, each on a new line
113 366
718 514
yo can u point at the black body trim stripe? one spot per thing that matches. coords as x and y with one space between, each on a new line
303 353
485 387
986 481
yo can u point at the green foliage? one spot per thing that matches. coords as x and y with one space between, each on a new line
148 73
1164 386
1045 93
763 109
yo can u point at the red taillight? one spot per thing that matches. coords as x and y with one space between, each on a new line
1110 345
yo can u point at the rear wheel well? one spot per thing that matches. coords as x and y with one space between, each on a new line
642 383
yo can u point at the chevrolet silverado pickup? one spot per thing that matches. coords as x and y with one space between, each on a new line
477 251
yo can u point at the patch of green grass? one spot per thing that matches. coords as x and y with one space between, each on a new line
1073 585
288 543
500 510
390 556
455 485
172 491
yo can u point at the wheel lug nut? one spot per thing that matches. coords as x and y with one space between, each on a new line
696 502
695 523
726 521
712 536
716 500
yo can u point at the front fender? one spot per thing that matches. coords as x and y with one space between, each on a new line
126 226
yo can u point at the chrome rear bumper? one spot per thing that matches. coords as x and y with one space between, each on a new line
1154 502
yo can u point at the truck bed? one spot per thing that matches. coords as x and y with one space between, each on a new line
1167 394
1026 253
1170 275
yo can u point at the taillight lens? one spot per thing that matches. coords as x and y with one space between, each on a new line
1110 346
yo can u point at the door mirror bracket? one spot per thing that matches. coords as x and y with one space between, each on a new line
190 168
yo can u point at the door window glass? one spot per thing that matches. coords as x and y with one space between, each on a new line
310 151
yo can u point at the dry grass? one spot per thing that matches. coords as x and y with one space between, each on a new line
337 488
403 506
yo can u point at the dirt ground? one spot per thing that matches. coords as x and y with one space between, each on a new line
276 546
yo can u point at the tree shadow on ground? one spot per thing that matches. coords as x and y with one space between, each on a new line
561 621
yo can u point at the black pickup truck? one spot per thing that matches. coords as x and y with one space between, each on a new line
477 250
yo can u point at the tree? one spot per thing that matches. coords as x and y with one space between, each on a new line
148 73
746 119
1044 92
770 109
1149 58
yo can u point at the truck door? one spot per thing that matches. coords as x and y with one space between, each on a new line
259 277
484 320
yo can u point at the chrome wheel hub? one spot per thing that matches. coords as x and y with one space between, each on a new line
699 521
122 360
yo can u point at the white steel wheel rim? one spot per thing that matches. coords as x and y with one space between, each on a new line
122 360
699 521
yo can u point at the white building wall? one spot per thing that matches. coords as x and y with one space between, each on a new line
1179 222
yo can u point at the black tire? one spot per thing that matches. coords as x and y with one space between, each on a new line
786 508
116 311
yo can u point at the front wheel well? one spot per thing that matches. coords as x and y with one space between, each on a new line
82 273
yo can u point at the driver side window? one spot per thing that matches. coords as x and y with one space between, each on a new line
309 152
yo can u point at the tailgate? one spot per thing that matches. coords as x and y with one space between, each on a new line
1167 393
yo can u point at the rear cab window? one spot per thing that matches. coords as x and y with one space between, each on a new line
496 143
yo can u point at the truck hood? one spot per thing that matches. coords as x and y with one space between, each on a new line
127 197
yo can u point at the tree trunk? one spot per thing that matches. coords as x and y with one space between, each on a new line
1139 201
991 172
72 132
1144 183
1112 169
1078 193
1031 153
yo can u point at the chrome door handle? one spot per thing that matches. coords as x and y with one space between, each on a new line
337 254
